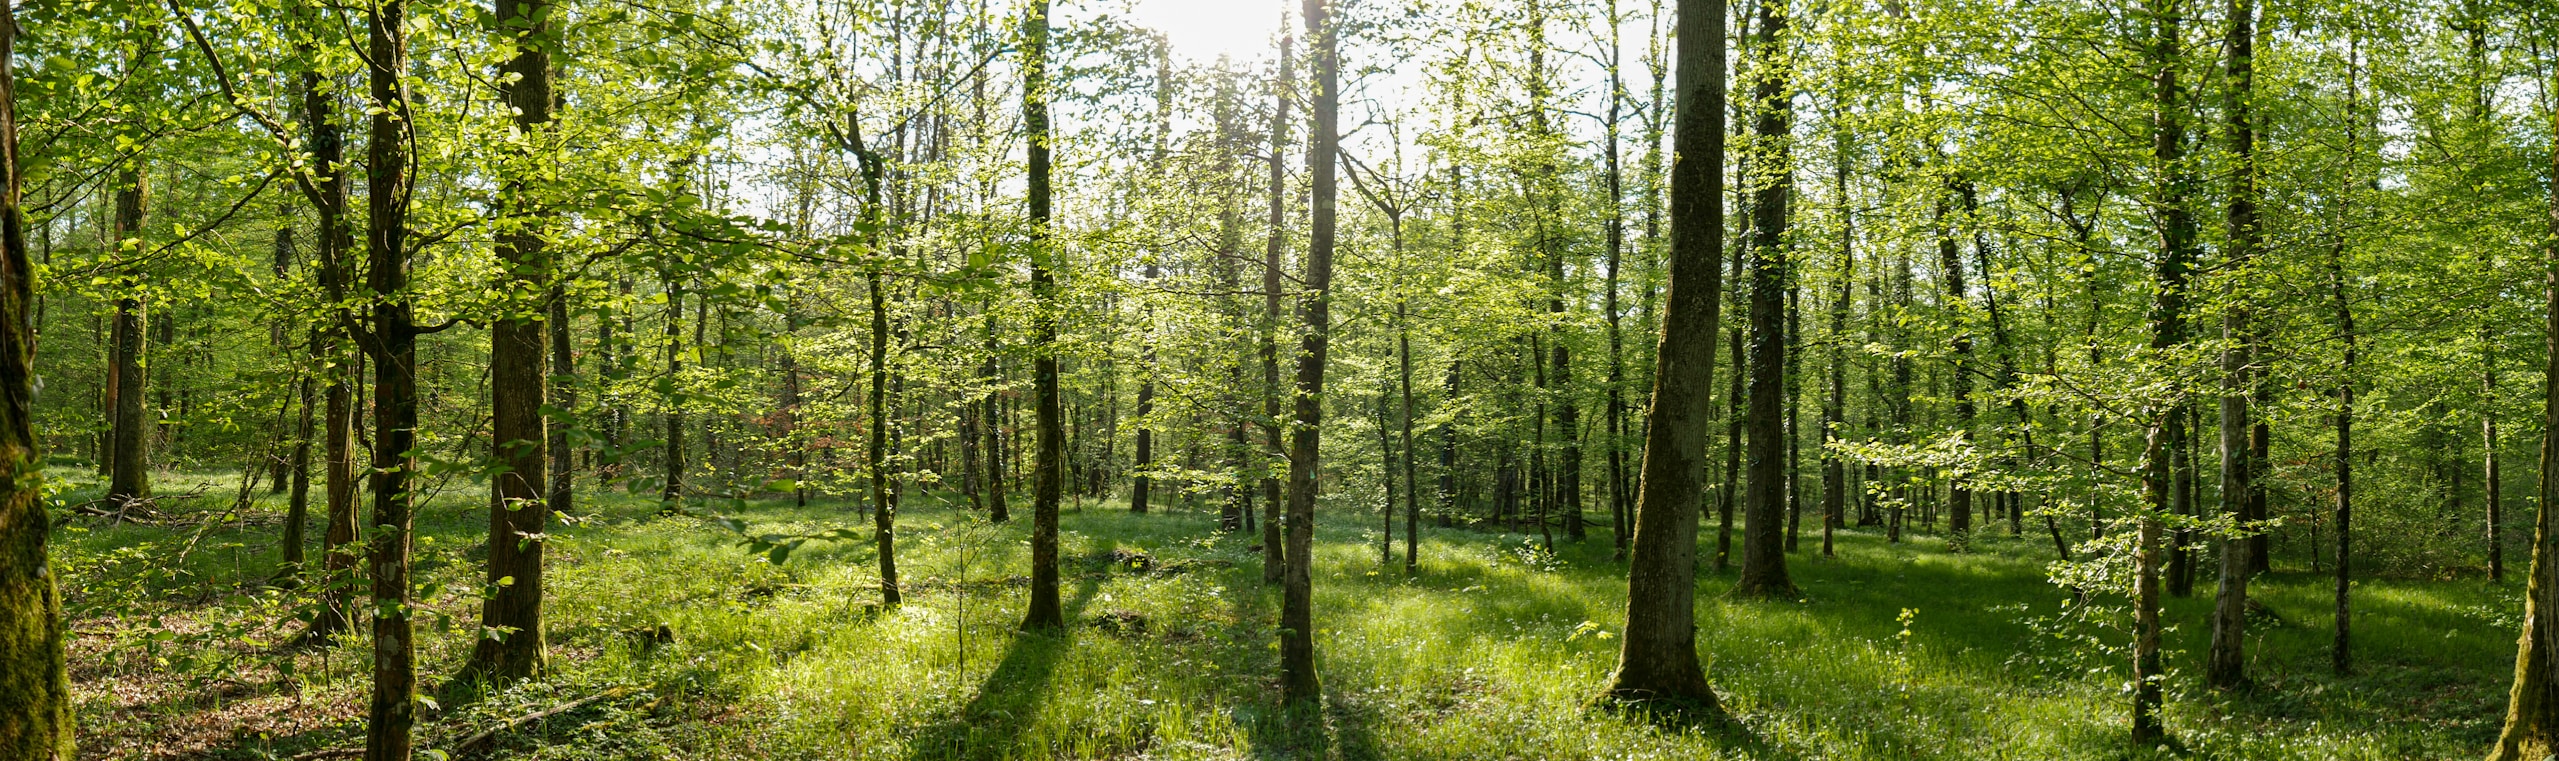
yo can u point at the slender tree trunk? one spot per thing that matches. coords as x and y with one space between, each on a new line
1735 399
2491 479
327 154
130 475
1274 560
35 689
1412 482
1835 409
2227 665
1298 684
883 507
992 417
671 452
564 396
511 646
1763 537
1044 612
1657 659
2167 432
393 344
1619 527
2341 653
1959 379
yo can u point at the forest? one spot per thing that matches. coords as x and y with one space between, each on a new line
586 380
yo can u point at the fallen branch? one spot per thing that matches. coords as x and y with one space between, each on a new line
475 742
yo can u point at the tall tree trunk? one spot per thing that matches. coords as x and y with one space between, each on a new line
1298 684
564 396
395 393
671 451
2227 664
875 456
326 150
35 689
1274 560
1404 378
1657 657
992 416
1619 528
2531 730
1049 471
1772 182
2491 479
1959 379
511 645
1835 408
130 474
1730 494
2341 652
2167 434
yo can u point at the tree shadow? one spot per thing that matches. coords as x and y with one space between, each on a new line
1008 703
1342 729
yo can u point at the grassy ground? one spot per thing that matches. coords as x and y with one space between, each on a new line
701 650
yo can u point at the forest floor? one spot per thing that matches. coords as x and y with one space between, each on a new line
690 646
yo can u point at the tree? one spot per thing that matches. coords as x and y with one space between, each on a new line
1657 657
2166 434
1048 473
1298 684
35 688
2531 728
2227 665
512 646
391 338
1772 183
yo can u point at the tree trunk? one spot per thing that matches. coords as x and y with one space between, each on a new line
2532 705
992 419
35 689
1044 612
2226 666
1657 659
1274 560
2341 653
327 154
130 474
2167 434
1763 537
1959 379
671 451
883 508
511 645
395 394
1298 684
1619 528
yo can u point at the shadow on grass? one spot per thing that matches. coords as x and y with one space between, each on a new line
1008 703
1342 729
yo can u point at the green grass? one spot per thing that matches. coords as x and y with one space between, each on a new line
1493 651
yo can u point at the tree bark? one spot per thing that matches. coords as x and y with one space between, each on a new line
2167 430
2531 729
393 344
1298 684
35 688
1274 560
512 645
1763 534
1657 657
2226 665
130 472
1044 612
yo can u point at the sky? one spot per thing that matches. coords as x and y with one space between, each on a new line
1203 29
